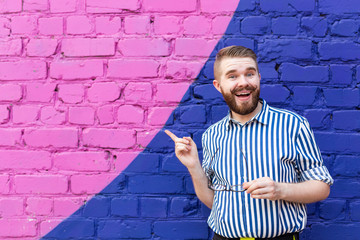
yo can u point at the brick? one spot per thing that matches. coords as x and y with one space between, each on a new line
64 206
11 206
23 25
125 68
341 120
332 209
117 185
153 207
166 25
35 5
194 47
78 25
19 159
40 92
294 73
79 69
130 114
48 225
138 92
124 206
355 211
39 206
161 184
97 207
339 50
342 97
154 47
82 161
11 47
4 27
4 113
287 5
315 26
23 70
107 25
172 164
10 92
234 26
342 163
166 6
196 25
172 92
285 25
345 188
97 90
109 138
218 112
239 41
51 137
334 231
86 47
213 6
192 114
81 115
285 49
137 24
4 184
105 115
41 47
254 25
142 163
10 6
304 95
18 228
267 70
79 228
341 74
318 117
338 142
143 138
218 24
160 116
51 26
40 184
108 6
62 6
274 93
345 27
71 93
183 69
131 229
334 7
190 229
183 207
90 184
206 92
51 115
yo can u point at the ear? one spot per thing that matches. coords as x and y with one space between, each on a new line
259 77
217 85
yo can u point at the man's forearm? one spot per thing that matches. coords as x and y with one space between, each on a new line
200 182
304 192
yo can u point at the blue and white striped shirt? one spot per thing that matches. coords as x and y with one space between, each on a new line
276 143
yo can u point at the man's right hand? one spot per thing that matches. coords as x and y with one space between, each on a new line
185 150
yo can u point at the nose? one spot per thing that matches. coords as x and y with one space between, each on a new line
242 81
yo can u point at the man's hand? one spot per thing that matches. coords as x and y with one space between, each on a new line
185 150
263 188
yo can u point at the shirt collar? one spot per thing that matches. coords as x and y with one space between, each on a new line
261 117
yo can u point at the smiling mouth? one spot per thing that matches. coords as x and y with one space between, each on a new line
242 94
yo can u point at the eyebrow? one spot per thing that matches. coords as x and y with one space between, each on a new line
234 70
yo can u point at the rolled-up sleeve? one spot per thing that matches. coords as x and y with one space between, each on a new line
309 161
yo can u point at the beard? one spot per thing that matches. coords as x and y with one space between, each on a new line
243 108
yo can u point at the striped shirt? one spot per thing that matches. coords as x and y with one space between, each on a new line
276 143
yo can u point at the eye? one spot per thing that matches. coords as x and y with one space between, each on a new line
231 76
250 74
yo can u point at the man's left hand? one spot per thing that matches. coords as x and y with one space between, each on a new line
263 188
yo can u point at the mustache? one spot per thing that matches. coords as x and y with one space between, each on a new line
238 89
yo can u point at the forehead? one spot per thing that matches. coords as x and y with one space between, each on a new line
237 63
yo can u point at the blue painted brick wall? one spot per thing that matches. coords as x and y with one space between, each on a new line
309 56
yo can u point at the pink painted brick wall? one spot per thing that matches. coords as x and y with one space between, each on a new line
82 81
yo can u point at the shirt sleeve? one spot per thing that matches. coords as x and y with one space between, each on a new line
205 152
309 160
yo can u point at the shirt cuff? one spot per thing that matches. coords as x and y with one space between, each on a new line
319 173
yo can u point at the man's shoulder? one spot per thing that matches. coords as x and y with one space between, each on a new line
218 126
281 112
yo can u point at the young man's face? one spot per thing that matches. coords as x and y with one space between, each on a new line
239 84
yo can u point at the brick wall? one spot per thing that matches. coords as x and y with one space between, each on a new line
87 87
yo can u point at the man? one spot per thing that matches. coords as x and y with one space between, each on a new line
261 164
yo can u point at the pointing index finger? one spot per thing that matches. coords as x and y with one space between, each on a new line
171 135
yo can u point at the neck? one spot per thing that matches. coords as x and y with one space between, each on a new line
245 118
